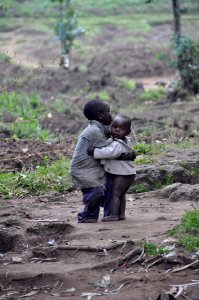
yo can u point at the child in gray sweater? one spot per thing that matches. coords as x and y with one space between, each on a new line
122 172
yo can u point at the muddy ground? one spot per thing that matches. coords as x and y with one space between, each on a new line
45 253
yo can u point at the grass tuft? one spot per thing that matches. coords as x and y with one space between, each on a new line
188 230
54 177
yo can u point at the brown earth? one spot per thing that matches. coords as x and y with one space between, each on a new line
35 231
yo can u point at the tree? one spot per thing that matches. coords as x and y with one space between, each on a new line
187 53
67 29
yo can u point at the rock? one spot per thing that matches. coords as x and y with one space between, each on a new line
185 192
168 190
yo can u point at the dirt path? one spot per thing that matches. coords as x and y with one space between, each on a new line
148 219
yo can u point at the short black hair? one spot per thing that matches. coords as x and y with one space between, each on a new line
92 108
127 121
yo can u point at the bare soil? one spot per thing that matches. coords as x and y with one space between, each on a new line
44 251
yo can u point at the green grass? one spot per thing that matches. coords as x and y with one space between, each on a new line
103 95
129 85
166 180
188 231
29 112
139 188
150 149
145 160
54 177
153 249
5 57
152 95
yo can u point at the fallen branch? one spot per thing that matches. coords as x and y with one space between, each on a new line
126 243
9 85
183 267
117 262
79 248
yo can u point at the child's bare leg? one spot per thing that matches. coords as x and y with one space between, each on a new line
120 186
118 200
122 207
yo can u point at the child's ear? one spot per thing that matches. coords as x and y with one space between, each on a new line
100 115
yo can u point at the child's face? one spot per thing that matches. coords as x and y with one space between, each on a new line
119 128
105 116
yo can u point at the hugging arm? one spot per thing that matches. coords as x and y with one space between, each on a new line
130 156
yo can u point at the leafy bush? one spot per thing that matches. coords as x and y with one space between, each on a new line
187 52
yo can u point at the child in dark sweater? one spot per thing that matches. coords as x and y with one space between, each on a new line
87 172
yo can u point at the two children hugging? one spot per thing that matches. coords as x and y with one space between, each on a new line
101 166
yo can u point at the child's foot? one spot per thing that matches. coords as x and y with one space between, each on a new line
121 217
89 220
110 219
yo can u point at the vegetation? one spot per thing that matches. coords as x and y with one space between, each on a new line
54 177
153 95
67 29
188 230
187 52
154 249
28 113
139 188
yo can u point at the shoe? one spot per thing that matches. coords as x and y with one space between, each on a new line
110 219
87 221
121 218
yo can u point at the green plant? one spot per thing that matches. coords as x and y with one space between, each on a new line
54 177
103 95
187 52
129 85
149 130
5 57
144 160
166 180
29 129
154 249
188 230
28 112
139 188
151 149
152 95
67 28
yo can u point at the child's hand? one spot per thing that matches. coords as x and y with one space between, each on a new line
127 156
90 150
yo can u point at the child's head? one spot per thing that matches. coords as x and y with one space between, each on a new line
120 127
99 111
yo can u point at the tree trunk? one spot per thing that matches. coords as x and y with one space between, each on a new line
177 20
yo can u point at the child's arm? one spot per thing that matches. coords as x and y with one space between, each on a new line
112 151
130 156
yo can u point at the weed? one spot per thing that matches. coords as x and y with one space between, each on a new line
144 160
154 249
167 180
188 230
129 85
144 148
161 56
103 95
139 188
150 130
152 95
28 111
44 178
4 57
